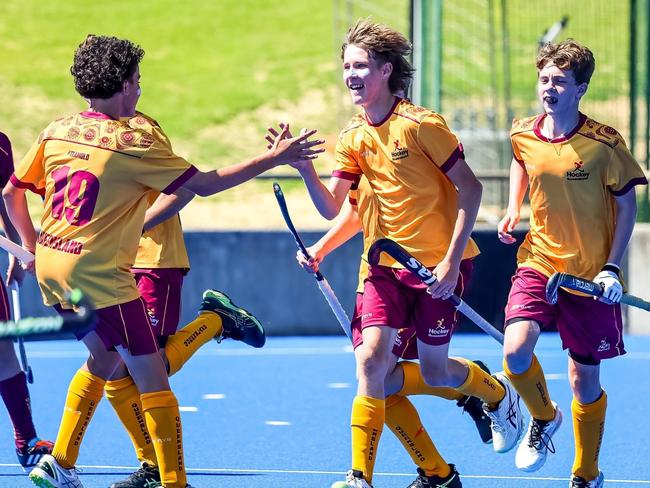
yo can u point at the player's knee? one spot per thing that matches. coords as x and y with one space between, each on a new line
435 376
373 365
517 358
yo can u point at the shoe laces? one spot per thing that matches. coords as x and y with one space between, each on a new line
539 438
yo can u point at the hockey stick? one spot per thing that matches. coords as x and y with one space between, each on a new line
324 286
399 254
57 327
12 248
15 301
564 280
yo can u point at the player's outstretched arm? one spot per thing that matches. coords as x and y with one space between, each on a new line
327 199
165 207
518 187
345 227
283 151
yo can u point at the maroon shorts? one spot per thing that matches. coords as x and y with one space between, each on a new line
397 298
5 313
590 329
406 345
126 325
161 291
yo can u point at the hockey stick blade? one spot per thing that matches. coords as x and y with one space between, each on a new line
402 256
565 280
323 285
56 327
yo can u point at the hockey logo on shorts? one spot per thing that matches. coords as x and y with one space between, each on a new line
152 317
439 329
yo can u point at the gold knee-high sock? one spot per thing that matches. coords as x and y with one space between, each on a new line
367 422
531 386
84 393
125 400
185 342
481 385
414 384
164 424
403 420
588 429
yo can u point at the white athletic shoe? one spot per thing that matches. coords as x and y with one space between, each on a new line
352 480
578 482
48 474
537 443
507 420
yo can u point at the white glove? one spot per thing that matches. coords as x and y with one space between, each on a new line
612 288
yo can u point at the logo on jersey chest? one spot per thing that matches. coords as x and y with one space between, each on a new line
578 173
400 152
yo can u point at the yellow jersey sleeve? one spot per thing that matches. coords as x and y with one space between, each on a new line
438 142
159 165
623 171
30 173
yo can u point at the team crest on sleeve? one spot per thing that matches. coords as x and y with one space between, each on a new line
578 173
400 152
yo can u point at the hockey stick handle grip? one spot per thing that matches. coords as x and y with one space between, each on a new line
565 280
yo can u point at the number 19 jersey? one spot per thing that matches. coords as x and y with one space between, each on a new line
95 175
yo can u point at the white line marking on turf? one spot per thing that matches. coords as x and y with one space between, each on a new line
198 471
555 376
276 423
214 396
338 386
188 409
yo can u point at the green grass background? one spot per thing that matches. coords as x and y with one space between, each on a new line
217 73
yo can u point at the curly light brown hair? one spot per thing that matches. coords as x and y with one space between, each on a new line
385 45
568 55
102 64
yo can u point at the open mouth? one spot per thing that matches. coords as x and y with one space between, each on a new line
550 100
355 86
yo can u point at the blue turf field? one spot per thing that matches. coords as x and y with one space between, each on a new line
278 417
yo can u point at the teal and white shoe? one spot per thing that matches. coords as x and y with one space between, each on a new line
48 474
238 324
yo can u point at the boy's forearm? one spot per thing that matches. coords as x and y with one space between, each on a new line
518 182
469 203
320 195
212 182
165 207
18 213
625 220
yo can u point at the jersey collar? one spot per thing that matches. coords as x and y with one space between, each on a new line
538 132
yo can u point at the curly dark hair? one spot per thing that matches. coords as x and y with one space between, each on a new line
568 55
102 63
385 45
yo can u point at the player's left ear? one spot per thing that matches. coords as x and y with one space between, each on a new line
387 69
582 89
